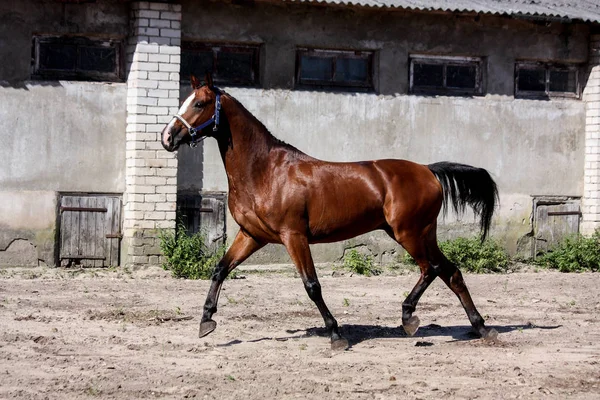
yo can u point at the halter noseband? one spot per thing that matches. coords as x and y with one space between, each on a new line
195 132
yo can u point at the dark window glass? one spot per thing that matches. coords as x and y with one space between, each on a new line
229 64
563 81
352 69
76 57
461 76
235 67
58 56
196 62
101 59
532 80
331 69
428 75
316 68
539 79
446 75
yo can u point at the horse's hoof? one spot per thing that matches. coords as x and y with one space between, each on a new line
411 326
207 327
491 335
340 344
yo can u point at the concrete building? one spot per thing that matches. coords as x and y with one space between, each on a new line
511 86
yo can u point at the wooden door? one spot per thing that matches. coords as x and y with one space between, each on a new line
90 230
554 222
204 213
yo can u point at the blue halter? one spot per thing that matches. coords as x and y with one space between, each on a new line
195 132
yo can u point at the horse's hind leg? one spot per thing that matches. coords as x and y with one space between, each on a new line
452 276
299 251
242 247
415 246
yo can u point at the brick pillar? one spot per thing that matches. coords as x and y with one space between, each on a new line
591 186
153 55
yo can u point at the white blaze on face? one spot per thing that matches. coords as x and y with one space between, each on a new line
184 107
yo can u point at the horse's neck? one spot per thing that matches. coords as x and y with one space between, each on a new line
246 145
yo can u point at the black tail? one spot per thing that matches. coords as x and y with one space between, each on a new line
466 185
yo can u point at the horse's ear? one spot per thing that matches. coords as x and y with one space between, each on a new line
195 82
208 79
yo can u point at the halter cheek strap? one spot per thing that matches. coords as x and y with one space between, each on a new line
196 132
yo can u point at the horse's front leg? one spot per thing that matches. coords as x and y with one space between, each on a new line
297 247
242 247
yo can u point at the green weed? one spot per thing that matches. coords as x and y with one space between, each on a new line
361 264
474 256
188 256
574 254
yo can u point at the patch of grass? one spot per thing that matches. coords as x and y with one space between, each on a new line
188 256
361 264
93 390
346 302
473 256
574 254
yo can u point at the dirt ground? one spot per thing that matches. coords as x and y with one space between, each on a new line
113 334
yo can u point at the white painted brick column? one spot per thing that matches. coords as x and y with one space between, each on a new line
591 186
153 55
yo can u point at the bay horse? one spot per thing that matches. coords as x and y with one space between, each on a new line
278 194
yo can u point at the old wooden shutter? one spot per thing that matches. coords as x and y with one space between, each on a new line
554 221
204 212
90 230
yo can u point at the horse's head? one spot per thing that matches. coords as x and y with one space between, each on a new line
199 112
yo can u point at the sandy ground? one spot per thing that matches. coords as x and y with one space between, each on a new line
110 334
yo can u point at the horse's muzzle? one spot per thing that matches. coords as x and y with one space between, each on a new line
168 138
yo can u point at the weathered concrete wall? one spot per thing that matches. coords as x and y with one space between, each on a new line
57 136
63 136
393 34
27 227
19 20
530 147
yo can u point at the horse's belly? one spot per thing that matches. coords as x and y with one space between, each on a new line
341 226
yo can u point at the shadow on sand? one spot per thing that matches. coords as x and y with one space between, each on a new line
359 333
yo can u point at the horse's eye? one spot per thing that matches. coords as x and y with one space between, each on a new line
198 105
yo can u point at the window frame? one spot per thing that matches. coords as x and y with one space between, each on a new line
230 47
445 61
548 68
39 72
331 84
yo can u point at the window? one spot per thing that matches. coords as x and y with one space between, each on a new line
235 65
77 58
544 80
446 75
334 69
